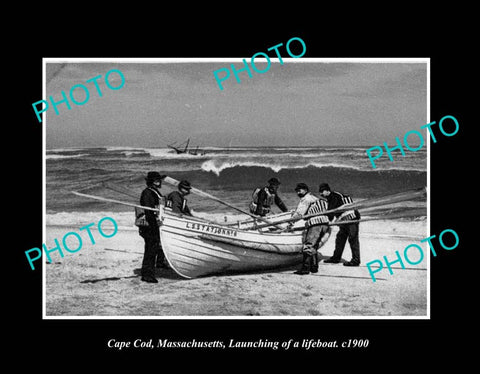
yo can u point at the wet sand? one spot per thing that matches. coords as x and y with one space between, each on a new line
103 280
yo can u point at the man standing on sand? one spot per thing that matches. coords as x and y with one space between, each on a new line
151 197
264 198
346 231
317 231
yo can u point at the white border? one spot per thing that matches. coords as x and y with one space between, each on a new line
46 60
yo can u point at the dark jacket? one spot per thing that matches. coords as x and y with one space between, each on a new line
265 200
335 200
150 198
178 203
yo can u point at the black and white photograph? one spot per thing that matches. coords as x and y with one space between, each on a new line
239 196
193 188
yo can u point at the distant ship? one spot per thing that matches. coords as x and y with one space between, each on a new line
182 148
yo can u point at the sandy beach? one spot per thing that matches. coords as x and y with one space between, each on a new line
104 280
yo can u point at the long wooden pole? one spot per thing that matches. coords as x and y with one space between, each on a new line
377 218
196 191
114 201
127 192
119 189
175 183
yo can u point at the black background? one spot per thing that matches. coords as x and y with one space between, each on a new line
445 38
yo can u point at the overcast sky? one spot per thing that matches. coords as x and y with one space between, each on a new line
299 103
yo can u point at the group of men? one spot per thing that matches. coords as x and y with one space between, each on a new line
317 225
310 207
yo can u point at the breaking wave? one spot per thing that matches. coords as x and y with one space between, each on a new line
216 168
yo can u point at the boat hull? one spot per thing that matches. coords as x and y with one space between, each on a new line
195 249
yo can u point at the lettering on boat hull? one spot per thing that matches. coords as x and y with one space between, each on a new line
201 227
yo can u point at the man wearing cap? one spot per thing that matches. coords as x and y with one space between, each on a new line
348 231
151 197
176 199
317 231
264 198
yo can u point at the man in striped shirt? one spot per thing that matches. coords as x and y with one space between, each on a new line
317 230
347 231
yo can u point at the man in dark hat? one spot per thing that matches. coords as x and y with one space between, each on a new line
264 198
317 231
151 197
348 231
176 199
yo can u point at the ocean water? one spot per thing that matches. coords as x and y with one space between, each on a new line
230 174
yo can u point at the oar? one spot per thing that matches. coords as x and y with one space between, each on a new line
172 181
196 191
175 183
135 205
377 218
379 201
412 213
119 189
114 201
130 193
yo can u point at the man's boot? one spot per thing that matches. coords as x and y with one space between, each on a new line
314 264
331 260
305 269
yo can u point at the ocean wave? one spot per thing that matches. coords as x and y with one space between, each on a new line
120 148
166 153
61 150
242 152
217 167
57 156
125 150
220 159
